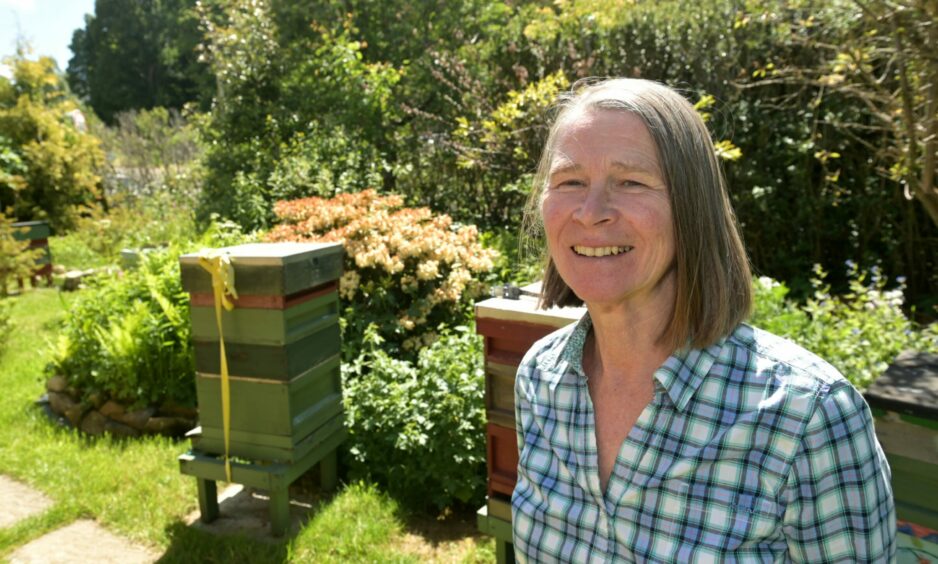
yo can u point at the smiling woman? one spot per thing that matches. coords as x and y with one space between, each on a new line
660 427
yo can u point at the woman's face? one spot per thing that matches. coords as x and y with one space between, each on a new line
607 214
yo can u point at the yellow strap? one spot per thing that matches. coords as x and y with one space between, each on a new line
219 266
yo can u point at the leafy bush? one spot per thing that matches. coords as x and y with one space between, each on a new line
55 176
98 237
860 333
418 429
406 271
128 336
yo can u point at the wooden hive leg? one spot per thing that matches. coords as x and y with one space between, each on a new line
279 509
329 471
208 500
504 552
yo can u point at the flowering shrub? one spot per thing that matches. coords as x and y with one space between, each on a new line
407 270
860 332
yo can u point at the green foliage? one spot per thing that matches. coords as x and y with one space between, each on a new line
50 165
153 151
17 260
859 333
307 117
130 223
418 428
137 56
128 336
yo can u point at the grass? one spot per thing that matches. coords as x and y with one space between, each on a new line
134 487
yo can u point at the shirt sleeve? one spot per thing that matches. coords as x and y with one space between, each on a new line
839 498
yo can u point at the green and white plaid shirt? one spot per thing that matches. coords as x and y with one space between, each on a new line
752 450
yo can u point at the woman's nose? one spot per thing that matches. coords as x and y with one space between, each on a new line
594 208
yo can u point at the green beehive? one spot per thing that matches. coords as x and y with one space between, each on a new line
31 230
282 348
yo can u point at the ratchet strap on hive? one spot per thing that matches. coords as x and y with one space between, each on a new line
218 264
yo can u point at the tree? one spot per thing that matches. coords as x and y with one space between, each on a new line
138 55
50 165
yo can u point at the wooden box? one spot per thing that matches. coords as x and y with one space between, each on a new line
502 457
31 230
509 328
308 313
269 269
904 401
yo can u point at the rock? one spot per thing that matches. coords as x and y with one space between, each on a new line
61 402
93 423
137 419
96 399
74 413
119 429
72 280
58 269
175 410
112 409
56 384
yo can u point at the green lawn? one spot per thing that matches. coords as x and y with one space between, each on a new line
134 488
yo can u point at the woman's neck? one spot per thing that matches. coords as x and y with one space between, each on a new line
625 342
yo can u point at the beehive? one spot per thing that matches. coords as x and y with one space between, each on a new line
509 328
37 233
282 348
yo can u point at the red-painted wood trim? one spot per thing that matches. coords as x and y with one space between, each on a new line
513 330
502 448
267 302
35 243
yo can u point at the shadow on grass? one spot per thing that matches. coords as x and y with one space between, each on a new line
189 544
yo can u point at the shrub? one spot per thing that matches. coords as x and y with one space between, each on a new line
418 429
860 333
128 336
407 270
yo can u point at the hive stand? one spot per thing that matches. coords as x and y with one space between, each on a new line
37 233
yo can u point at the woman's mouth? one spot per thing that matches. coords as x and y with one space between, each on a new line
600 251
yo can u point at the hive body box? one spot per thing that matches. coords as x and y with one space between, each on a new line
509 328
37 233
282 348
904 401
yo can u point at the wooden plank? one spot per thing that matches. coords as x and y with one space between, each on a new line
267 302
214 444
266 326
271 407
326 409
29 230
499 506
502 450
270 269
493 526
915 489
525 310
909 386
906 439
500 393
270 362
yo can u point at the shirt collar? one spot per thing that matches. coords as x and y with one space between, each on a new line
680 375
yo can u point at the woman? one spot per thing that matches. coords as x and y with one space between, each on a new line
660 427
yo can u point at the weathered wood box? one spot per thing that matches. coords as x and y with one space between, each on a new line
37 233
509 328
904 401
282 348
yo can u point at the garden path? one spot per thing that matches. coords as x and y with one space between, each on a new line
80 541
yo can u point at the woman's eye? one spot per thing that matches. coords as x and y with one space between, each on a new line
630 183
571 183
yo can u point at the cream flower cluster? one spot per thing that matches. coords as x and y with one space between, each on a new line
427 261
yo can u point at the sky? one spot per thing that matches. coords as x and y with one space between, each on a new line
46 24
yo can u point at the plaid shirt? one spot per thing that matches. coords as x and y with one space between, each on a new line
752 450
